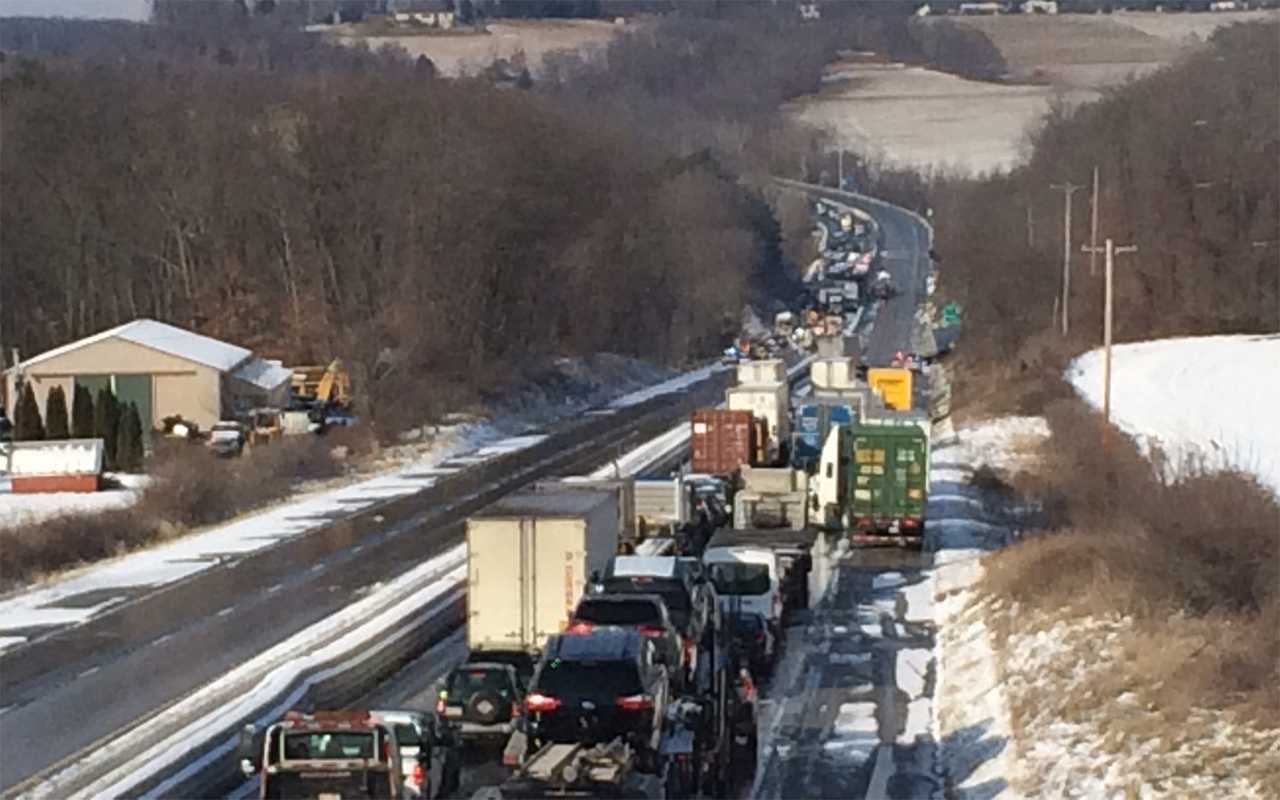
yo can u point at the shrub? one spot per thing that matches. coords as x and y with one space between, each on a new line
106 422
129 449
55 415
1191 558
30 428
81 413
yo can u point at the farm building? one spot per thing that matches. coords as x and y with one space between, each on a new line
165 370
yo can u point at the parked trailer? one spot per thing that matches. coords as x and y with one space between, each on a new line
529 556
887 480
721 441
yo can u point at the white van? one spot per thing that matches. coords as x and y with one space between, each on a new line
748 580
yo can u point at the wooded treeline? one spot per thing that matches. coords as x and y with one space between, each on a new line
225 172
1189 167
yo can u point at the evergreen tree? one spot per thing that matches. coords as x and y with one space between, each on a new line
106 421
129 440
55 415
82 413
29 426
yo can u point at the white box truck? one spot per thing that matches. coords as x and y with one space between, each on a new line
529 556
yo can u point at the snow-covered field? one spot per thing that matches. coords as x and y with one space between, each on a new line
1209 400
526 41
922 118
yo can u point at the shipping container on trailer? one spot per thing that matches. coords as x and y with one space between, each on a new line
834 373
888 476
624 490
770 403
529 556
768 372
720 441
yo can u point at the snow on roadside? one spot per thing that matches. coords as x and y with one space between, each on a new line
970 712
1081 739
402 470
1209 398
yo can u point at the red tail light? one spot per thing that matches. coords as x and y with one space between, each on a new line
538 703
911 522
652 631
440 706
760 637
635 702
580 627
419 776
688 651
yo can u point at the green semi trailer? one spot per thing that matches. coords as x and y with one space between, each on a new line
887 479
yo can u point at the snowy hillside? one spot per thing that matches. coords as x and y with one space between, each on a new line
1213 397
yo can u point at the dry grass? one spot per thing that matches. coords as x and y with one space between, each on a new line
191 488
1163 602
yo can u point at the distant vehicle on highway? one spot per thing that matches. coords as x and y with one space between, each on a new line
430 763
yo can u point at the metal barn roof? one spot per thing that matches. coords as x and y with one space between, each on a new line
163 337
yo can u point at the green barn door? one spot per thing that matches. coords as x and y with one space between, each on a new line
136 389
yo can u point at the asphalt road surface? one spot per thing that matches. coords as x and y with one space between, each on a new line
73 688
854 698
905 254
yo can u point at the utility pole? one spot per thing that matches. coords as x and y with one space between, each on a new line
1110 251
1093 227
840 169
1068 190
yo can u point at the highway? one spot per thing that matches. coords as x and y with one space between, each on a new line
81 686
848 713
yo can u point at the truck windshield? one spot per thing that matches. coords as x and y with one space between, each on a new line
328 745
739 578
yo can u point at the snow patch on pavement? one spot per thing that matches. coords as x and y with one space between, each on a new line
1192 425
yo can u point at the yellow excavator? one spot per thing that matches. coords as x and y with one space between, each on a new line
329 384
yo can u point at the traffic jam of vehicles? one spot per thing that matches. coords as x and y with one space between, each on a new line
620 632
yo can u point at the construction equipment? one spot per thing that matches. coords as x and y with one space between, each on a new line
265 425
329 384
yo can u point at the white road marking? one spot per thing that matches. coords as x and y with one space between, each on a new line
878 786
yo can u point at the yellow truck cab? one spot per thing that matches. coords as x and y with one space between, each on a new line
333 755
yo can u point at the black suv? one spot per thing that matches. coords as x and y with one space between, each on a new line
482 700
598 685
647 613
690 600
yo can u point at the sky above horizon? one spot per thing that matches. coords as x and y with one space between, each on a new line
137 10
